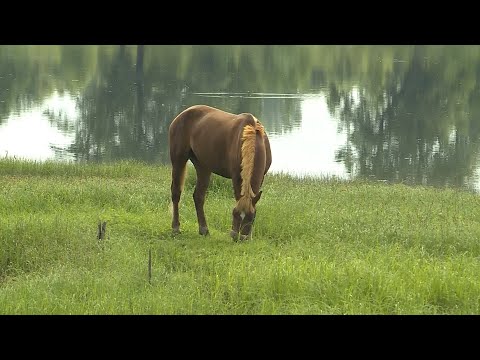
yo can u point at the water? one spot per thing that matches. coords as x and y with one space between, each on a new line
405 114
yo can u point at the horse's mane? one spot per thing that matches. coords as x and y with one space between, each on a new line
248 157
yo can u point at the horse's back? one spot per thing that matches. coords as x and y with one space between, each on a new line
207 119
212 136
209 135
187 117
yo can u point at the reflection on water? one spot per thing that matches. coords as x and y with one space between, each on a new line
256 95
309 149
392 113
31 135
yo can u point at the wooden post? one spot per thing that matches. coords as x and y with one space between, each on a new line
102 228
149 266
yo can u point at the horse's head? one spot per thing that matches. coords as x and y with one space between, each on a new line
243 219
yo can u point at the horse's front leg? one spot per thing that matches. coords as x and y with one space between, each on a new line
236 217
203 179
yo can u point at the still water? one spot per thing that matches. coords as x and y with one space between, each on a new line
406 114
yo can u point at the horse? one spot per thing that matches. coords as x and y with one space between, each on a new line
234 146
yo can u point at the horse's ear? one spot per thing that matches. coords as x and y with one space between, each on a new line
256 198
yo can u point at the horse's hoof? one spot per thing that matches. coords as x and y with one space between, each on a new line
175 231
234 235
203 231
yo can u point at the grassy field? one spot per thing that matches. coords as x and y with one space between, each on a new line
318 246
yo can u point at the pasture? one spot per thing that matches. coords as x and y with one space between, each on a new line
318 246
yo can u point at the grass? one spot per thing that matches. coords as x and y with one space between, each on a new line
318 246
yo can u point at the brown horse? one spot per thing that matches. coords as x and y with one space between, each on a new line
233 146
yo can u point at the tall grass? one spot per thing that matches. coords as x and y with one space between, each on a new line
318 246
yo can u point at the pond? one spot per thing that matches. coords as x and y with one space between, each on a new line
408 114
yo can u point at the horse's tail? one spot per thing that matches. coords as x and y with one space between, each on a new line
248 160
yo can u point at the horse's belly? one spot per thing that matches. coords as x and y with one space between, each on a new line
218 168
222 172
211 163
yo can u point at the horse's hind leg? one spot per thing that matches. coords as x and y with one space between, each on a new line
179 168
203 179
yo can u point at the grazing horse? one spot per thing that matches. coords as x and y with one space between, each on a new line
230 145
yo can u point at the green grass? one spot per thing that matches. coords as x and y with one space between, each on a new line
318 246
